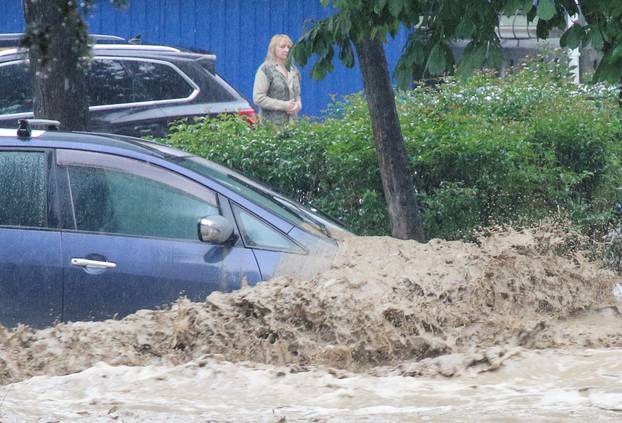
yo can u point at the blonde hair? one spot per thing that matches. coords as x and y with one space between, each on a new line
276 39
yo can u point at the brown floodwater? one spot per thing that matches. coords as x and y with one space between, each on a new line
519 326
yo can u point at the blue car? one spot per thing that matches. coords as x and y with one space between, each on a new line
96 226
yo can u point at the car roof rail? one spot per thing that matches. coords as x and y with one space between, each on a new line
136 47
24 126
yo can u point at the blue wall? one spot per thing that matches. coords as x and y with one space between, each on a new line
237 31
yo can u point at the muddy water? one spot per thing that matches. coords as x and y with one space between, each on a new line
518 327
548 386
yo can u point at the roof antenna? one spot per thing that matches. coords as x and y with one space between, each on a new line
23 129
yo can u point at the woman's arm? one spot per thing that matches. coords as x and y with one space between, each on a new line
297 107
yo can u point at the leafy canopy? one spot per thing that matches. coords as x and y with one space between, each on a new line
434 24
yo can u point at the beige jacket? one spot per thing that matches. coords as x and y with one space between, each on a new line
272 93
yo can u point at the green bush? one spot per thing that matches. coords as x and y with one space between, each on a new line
484 151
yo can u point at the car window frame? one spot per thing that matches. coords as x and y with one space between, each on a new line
66 158
53 200
196 90
237 209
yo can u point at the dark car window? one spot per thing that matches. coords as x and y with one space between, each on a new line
159 81
215 89
15 88
124 196
259 234
108 82
24 189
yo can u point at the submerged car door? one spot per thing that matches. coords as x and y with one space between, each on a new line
30 249
131 241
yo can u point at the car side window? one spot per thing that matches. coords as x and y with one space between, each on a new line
24 189
215 90
159 81
257 233
108 82
15 88
123 196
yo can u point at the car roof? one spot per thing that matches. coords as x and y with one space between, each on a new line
145 51
88 140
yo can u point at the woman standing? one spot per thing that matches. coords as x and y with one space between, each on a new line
277 84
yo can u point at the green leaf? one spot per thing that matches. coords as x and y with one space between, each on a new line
512 6
494 56
531 14
542 29
394 28
437 60
384 30
330 26
474 57
404 72
329 56
607 72
321 68
465 28
596 37
346 54
572 37
300 53
609 69
317 72
546 9
344 25
395 7
616 53
528 6
379 5
319 44
419 53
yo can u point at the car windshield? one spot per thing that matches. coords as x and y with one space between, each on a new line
287 209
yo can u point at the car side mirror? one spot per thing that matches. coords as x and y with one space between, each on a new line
215 229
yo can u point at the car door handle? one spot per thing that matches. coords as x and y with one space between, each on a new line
92 264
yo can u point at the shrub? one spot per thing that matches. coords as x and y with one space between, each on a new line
485 151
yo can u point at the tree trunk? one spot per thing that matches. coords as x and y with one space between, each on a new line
57 37
397 180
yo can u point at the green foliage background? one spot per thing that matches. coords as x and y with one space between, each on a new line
485 151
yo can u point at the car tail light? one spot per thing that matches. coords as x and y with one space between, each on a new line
249 115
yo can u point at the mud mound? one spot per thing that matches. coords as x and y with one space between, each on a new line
384 301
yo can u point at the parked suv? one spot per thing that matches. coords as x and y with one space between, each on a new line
98 226
132 89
